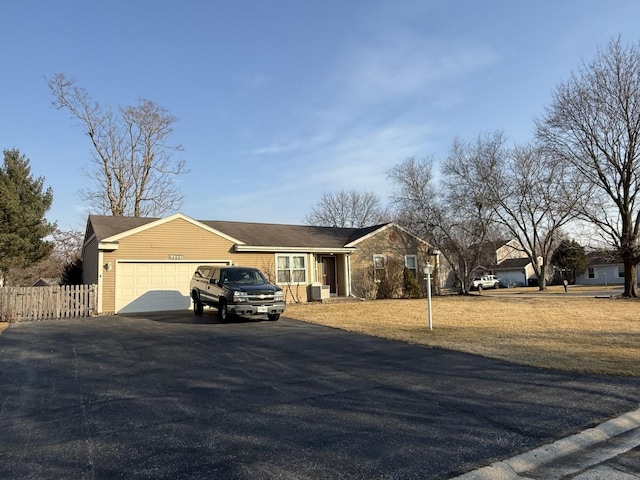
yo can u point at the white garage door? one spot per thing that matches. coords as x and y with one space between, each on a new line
153 286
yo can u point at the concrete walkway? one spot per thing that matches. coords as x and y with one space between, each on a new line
609 451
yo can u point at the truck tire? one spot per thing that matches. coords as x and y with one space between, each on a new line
198 307
223 311
273 316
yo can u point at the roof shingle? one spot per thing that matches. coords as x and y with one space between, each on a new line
249 233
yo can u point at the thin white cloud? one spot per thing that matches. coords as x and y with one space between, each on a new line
407 64
360 159
301 143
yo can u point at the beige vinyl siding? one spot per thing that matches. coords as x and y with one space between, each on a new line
108 283
175 238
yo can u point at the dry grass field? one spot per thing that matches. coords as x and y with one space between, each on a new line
552 329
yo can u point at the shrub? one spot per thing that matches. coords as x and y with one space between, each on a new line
412 287
363 284
391 285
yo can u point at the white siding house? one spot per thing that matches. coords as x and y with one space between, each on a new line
604 268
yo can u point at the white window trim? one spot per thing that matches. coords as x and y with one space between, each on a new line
290 256
384 261
415 263
376 269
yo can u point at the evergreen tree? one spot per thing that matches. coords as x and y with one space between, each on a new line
570 257
23 204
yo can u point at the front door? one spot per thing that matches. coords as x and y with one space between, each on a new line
329 273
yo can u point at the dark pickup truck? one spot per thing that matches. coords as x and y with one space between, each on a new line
235 291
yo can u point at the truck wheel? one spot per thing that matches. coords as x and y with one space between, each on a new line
198 307
273 316
223 312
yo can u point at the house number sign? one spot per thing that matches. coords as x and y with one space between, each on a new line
175 257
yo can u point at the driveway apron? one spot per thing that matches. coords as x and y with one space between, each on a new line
184 397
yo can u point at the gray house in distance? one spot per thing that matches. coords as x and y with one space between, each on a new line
604 268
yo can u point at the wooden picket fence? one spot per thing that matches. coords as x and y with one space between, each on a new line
42 303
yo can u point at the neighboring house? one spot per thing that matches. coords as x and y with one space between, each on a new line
511 263
509 250
482 257
604 268
516 271
46 282
145 264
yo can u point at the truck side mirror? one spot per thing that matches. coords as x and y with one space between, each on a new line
212 281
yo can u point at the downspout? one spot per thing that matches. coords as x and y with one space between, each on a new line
100 281
314 260
347 262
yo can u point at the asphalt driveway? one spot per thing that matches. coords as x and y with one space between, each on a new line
177 396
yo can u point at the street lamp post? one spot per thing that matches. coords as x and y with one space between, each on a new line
427 271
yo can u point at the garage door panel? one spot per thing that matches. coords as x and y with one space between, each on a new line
153 286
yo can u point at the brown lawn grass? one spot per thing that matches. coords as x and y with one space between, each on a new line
584 334
3 325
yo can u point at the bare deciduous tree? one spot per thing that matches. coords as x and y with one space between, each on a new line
414 194
347 209
132 168
593 124
471 231
487 193
520 192
534 196
67 246
445 217
65 255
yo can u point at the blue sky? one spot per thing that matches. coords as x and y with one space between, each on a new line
281 101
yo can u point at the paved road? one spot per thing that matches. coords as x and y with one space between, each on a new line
177 396
598 292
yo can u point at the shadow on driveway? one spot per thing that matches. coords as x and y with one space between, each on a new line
209 317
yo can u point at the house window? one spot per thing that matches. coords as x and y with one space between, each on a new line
621 271
411 262
591 272
291 269
380 266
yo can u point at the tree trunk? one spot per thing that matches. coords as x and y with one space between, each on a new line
630 278
540 271
463 274
542 279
